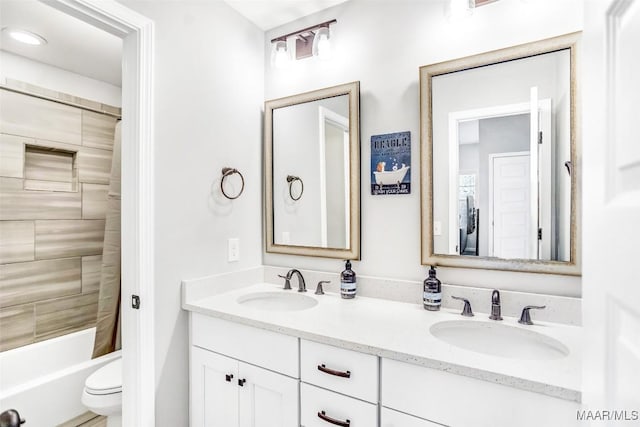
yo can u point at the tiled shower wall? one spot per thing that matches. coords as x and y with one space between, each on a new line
55 164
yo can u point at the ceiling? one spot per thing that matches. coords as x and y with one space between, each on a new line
84 49
71 44
268 14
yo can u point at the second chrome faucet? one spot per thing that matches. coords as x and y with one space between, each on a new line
496 309
302 287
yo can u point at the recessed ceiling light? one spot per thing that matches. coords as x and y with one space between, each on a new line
25 36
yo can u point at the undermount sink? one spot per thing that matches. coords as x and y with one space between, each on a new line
498 339
277 301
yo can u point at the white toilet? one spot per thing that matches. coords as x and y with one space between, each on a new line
103 392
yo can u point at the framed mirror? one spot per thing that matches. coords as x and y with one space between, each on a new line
312 173
500 163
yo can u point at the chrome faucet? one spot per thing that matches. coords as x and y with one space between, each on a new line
495 306
525 317
302 287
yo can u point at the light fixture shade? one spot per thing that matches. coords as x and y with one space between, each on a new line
322 43
24 36
280 57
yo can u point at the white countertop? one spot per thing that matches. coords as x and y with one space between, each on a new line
400 331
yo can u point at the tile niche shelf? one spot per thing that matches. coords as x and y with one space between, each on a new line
50 169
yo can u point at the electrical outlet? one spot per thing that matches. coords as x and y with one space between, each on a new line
437 228
233 250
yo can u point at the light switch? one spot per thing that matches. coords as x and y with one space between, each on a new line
233 250
437 228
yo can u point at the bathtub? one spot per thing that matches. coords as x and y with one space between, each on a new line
393 177
44 381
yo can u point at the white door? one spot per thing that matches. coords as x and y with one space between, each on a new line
611 192
213 390
510 205
267 399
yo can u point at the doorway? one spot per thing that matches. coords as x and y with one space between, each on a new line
505 130
136 31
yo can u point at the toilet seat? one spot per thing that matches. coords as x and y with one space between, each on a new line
106 380
102 392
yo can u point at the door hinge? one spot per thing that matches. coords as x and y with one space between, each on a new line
540 137
135 302
539 233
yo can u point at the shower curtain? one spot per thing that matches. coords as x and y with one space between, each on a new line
108 321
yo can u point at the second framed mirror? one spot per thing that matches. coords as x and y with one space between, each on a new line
312 173
500 160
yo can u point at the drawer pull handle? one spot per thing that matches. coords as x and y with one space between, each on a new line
228 377
326 370
333 421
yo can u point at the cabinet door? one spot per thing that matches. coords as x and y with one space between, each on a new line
213 390
391 418
267 399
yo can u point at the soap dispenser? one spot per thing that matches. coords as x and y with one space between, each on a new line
348 283
432 296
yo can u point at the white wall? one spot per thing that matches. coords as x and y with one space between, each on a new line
382 44
20 68
207 98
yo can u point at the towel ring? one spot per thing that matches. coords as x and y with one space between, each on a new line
228 172
291 179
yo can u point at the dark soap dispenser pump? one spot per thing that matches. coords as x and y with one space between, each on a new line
432 296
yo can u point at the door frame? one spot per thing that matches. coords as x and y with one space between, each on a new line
325 115
137 270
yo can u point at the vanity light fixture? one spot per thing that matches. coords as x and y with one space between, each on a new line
310 41
280 57
24 36
322 43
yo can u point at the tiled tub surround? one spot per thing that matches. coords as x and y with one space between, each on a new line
398 333
55 161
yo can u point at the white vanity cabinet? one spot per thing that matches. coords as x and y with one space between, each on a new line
456 400
229 393
242 376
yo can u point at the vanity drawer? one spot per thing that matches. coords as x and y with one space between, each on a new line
267 349
336 407
345 371
458 400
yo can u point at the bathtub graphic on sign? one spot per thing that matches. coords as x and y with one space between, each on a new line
390 163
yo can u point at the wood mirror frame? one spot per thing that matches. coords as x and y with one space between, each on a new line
428 257
352 90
